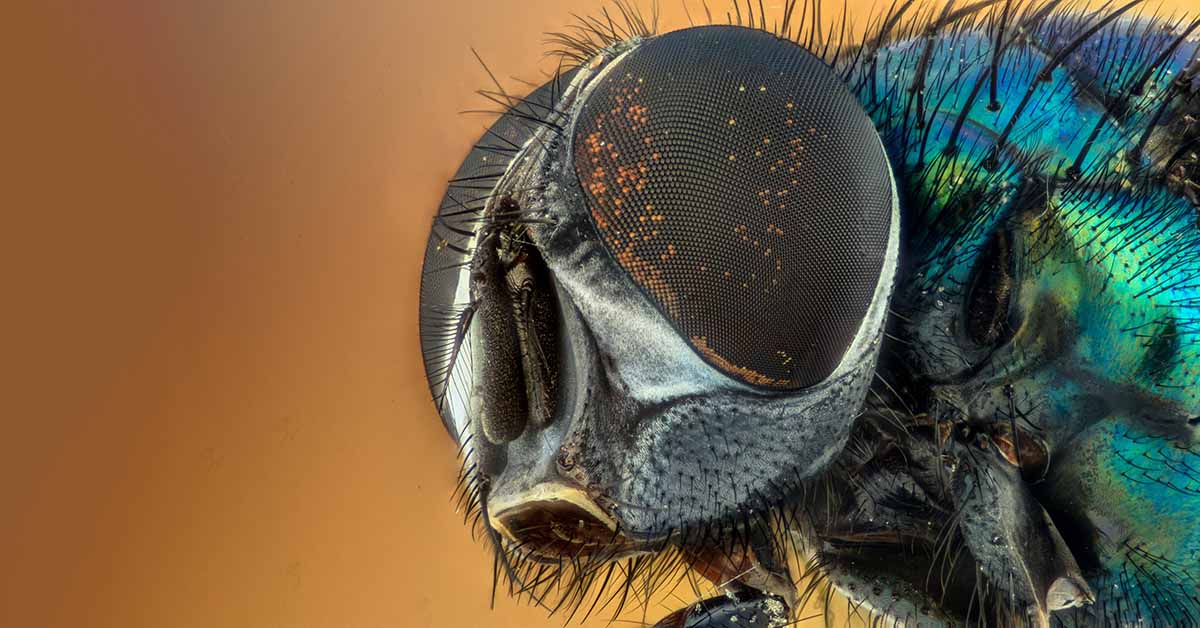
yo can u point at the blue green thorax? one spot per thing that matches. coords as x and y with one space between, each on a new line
1069 155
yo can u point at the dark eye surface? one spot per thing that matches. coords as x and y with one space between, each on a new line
743 188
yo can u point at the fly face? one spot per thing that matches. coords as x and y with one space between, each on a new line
661 309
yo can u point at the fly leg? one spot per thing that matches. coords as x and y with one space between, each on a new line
759 593
747 608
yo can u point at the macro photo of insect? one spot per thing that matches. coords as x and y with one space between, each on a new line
878 318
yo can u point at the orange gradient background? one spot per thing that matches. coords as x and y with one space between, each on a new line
214 214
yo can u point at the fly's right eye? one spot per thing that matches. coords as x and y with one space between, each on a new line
741 185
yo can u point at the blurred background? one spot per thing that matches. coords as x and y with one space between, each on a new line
214 214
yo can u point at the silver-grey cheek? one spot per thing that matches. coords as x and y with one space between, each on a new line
704 459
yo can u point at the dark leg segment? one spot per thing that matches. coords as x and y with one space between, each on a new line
742 609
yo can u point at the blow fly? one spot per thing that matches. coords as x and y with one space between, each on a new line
912 315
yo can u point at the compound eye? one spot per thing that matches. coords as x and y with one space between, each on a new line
743 188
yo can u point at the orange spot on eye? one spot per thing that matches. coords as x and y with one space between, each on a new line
747 375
